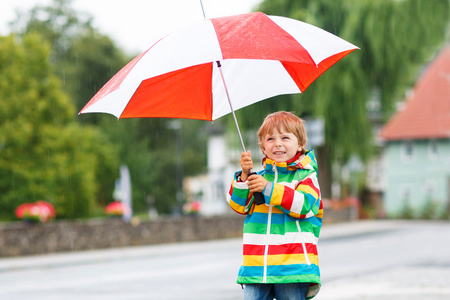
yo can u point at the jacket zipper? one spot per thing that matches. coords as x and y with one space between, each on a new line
303 245
305 252
269 222
266 248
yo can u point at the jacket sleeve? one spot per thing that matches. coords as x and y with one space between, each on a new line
302 202
239 197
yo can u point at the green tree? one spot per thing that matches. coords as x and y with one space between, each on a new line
89 63
82 57
396 39
85 60
44 153
150 152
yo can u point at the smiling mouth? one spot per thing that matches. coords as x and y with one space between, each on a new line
279 153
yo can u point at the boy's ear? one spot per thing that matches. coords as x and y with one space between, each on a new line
262 150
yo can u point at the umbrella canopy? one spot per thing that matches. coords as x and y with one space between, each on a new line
180 76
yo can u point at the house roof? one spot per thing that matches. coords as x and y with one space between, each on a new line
426 114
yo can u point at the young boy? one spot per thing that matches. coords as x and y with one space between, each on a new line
280 235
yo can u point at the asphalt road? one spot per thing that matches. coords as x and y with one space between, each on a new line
360 260
401 260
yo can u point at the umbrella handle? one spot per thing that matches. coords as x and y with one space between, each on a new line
258 196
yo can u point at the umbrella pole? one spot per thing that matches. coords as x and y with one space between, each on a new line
201 3
231 106
259 197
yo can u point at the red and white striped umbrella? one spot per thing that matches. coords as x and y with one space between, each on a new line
180 76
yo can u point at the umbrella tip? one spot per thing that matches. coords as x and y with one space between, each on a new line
203 10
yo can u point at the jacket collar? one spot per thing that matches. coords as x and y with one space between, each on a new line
299 161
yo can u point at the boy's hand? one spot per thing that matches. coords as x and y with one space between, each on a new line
246 165
256 183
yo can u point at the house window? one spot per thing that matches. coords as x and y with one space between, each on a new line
406 210
408 151
433 149
429 189
405 192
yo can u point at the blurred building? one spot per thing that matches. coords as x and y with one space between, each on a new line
224 152
417 146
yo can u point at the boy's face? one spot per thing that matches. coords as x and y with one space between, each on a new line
280 146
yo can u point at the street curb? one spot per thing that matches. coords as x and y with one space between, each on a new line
328 232
348 229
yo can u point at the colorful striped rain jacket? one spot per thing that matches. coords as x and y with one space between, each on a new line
280 236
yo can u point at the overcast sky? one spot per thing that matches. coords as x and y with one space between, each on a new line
136 24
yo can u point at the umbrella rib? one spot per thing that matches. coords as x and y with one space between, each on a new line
231 106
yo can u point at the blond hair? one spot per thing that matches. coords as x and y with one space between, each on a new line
283 121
